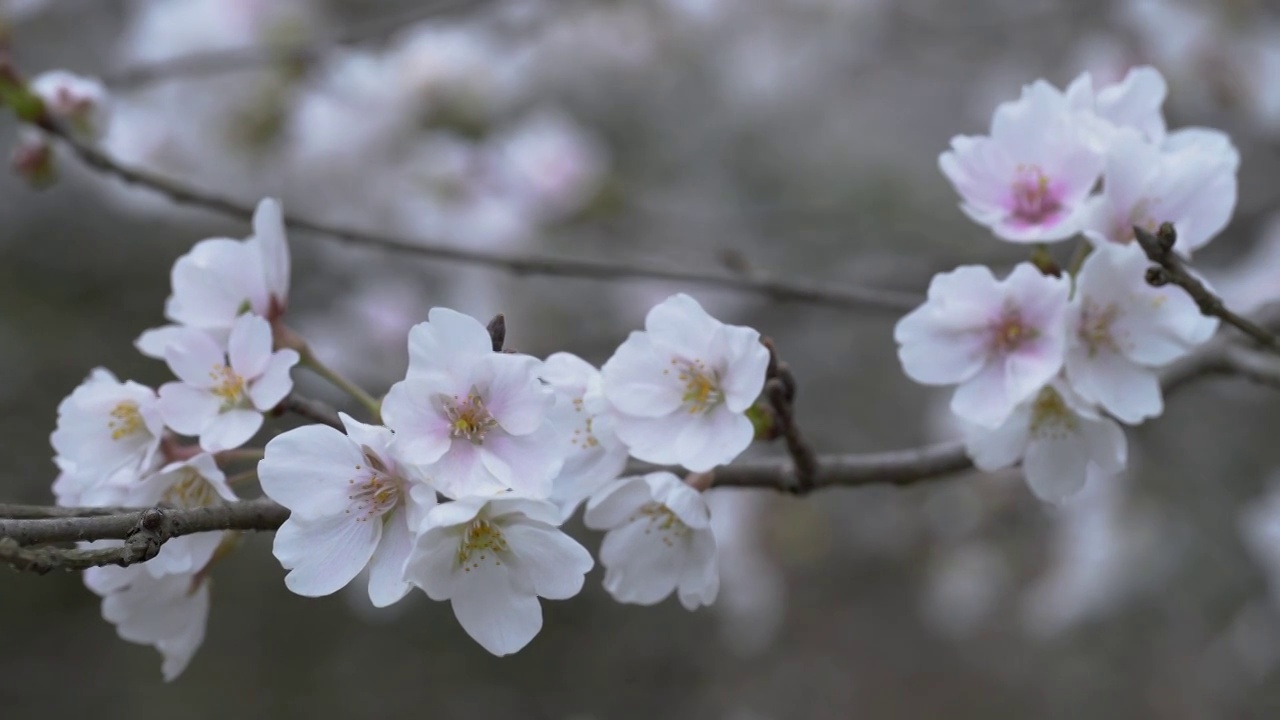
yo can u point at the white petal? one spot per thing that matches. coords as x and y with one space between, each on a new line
528 462
193 358
275 382
746 363
515 397
616 502
555 562
213 282
269 233
462 471
654 439
422 432
1127 390
229 430
700 582
386 568
682 500
639 567
640 381
249 345
433 563
984 398
680 323
995 448
449 340
1056 466
716 438
492 613
309 470
187 409
324 555
153 342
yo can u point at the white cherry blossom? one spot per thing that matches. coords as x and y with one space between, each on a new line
1057 437
352 506
493 558
659 540
1028 180
106 425
220 279
681 387
1000 341
1192 186
593 453
223 391
1121 330
477 421
167 612
80 102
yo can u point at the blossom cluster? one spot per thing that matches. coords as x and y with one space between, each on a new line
458 483
1047 365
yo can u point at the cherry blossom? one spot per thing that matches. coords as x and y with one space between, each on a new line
593 453
493 558
220 279
1028 180
193 483
223 391
1192 186
106 425
1133 103
681 387
476 420
82 103
659 540
352 506
1000 341
1121 330
168 612
1057 437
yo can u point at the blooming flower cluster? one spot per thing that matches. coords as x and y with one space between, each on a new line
1046 365
459 484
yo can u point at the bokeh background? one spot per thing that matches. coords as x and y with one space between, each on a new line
787 138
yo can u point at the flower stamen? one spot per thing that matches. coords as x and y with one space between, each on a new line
484 538
126 420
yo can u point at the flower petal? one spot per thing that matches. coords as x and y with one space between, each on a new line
229 430
386 568
325 554
271 387
555 562
492 613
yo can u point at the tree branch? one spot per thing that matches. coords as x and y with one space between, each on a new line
842 296
1169 269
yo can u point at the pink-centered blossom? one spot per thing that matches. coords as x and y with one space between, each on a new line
1028 179
476 421
999 341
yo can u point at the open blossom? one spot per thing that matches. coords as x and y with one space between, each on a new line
220 279
681 387
1121 330
168 612
659 540
493 558
593 453
106 425
1057 437
1192 186
1000 341
80 102
475 419
352 506
1028 180
223 392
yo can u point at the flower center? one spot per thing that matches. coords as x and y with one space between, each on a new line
1051 416
191 490
228 385
665 522
1094 330
1140 215
468 418
126 420
375 490
481 539
1009 333
1033 200
701 386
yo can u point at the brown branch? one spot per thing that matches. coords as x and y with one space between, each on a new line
1169 269
843 295
780 390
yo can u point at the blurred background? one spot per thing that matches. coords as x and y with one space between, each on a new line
785 138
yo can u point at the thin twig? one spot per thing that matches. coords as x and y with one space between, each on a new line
780 390
843 296
1169 269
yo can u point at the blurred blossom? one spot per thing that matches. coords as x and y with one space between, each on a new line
1104 552
1252 281
964 586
